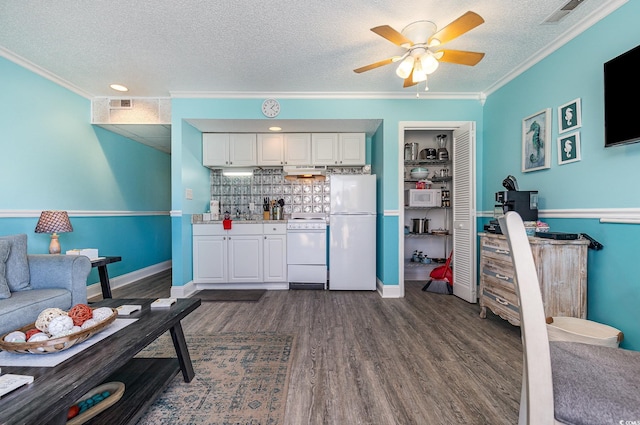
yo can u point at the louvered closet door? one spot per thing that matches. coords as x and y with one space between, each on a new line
464 213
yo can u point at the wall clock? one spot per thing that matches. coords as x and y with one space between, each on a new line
270 108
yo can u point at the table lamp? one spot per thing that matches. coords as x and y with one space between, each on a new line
54 222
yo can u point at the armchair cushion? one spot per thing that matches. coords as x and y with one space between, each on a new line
5 248
17 273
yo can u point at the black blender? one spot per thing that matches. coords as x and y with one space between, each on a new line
442 153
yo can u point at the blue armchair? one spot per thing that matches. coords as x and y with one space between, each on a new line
32 283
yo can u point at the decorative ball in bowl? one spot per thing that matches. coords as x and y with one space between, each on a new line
53 344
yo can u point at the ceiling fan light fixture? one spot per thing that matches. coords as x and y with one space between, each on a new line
429 63
418 73
404 69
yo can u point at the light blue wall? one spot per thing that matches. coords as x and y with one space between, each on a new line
53 158
604 178
385 157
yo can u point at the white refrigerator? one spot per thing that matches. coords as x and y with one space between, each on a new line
352 232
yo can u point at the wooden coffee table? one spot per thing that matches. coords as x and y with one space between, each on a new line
57 388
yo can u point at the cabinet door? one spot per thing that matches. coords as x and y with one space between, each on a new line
215 149
270 149
351 148
275 258
324 148
297 149
245 258
210 259
242 150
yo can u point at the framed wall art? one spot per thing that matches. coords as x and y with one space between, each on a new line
569 148
536 141
569 116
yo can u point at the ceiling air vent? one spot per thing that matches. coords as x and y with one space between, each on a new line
563 11
120 104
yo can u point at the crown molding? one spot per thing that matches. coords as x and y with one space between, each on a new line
606 8
19 60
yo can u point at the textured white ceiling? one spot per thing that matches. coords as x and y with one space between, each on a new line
160 47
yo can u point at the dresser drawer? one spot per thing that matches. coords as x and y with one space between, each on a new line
500 306
496 248
499 271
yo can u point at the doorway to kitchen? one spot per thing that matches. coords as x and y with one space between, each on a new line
462 202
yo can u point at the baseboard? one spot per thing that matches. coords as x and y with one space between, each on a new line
388 291
94 289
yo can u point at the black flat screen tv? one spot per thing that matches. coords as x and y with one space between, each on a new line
621 92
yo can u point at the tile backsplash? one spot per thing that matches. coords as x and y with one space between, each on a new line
302 195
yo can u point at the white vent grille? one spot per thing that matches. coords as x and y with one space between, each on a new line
120 104
563 11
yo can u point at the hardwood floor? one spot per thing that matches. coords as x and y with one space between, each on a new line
426 359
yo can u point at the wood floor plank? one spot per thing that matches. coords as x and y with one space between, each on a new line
360 359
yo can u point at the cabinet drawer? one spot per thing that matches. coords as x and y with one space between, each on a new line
496 248
500 271
501 307
274 228
496 289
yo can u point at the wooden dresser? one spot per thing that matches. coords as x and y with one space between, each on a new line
562 272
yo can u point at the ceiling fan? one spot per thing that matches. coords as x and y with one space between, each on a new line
424 47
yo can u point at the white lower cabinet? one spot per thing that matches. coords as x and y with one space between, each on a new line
245 258
248 253
210 259
275 252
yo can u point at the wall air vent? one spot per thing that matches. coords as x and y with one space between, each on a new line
563 11
120 104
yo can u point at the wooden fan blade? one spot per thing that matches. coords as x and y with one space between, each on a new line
373 65
392 35
460 57
408 82
464 23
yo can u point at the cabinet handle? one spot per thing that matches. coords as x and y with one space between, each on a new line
501 301
265 237
499 276
502 251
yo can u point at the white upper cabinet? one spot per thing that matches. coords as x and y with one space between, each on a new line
324 148
228 149
270 149
342 149
297 148
221 150
351 147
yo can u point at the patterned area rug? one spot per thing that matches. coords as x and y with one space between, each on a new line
241 379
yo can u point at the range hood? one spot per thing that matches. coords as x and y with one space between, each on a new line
304 172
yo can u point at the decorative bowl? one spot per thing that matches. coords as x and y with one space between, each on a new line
54 345
115 388
419 173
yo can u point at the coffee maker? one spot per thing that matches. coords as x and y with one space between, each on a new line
524 202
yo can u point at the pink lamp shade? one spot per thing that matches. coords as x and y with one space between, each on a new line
54 222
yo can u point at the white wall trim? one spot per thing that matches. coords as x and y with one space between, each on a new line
325 95
389 291
605 9
605 215
175 213
80 213
391 213
94 289
8 54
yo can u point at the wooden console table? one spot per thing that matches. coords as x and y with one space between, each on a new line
562 271
101 264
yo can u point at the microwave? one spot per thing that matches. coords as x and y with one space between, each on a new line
423 197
